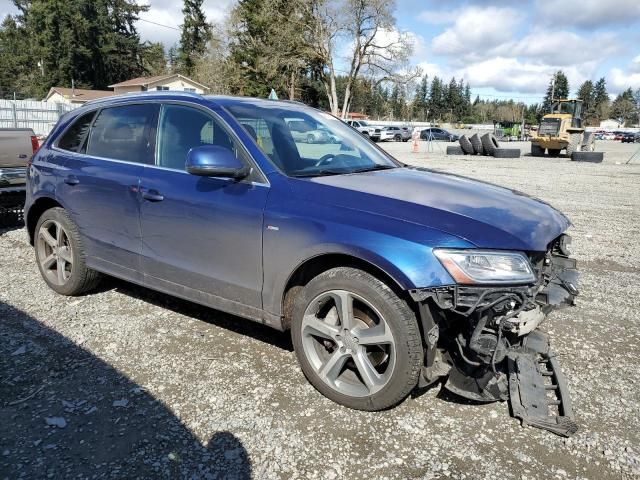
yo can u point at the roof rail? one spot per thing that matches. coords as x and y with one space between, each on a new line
160 93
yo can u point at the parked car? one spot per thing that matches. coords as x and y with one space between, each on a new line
303 132
387 276
396 134
17 146
630 137
618 135
434 133
371 131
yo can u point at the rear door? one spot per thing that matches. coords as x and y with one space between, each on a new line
202 236
100 185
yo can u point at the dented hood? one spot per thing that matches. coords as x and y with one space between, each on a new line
486 215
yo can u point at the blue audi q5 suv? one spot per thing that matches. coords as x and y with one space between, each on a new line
387 276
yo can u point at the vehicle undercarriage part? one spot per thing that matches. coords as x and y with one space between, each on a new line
11 206
485 341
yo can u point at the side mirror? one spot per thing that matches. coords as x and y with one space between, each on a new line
215 161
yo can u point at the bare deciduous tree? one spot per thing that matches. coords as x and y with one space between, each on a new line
375 48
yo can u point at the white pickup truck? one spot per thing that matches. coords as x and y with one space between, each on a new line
17 146
371 131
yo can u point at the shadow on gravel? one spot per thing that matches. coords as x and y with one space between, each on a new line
230 322
65 413
12 225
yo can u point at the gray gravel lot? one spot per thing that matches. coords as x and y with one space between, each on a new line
129 383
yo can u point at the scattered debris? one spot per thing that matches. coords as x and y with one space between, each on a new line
56 422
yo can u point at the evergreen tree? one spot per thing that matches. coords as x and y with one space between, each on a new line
623 107
436 99
196 34
421 100
586 94
155 59
558 88
601 100
93 43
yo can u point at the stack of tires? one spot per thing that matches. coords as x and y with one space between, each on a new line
486 145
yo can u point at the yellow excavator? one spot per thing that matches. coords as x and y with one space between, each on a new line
562 130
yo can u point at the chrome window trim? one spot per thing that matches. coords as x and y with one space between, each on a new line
253 163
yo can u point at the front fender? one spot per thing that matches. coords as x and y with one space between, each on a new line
298 231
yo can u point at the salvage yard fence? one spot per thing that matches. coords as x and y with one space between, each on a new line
39 116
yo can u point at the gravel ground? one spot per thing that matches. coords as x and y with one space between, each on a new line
127 383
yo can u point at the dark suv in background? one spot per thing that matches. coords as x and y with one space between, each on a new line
386 275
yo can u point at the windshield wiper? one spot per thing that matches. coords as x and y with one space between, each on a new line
320 173
374 168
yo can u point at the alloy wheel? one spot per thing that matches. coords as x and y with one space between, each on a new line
55 253
348 343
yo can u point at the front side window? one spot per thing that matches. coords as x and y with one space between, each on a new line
74 139
183 128
304 142
124 133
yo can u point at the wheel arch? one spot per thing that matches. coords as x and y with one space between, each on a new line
36 210
314 266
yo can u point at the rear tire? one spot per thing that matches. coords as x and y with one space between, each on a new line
60 254
554 152
575 141
377 333
588 143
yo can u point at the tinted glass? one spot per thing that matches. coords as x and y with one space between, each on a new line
124 133
75 137
183 128
318 143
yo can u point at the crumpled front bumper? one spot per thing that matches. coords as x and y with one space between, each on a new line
485 341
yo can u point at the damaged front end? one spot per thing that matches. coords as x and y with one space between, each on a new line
484 339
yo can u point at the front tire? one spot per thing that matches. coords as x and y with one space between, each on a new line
357 342
60 254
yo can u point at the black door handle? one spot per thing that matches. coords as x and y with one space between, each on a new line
152 196
71 180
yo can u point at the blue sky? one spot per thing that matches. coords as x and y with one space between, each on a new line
503 49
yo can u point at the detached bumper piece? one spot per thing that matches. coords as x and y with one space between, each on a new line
538 392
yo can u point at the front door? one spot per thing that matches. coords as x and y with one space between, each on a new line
100 184
202 236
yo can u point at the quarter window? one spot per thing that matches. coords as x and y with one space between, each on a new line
74 139
124 133
183 128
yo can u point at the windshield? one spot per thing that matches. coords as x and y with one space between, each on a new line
304 142
563 107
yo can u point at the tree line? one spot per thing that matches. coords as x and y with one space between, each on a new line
296 48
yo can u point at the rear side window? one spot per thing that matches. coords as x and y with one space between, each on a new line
74 139
124 133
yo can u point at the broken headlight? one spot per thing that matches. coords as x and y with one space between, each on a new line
469 267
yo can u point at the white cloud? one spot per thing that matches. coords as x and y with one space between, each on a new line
477 29
169 13
588 13
618 80
513 75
